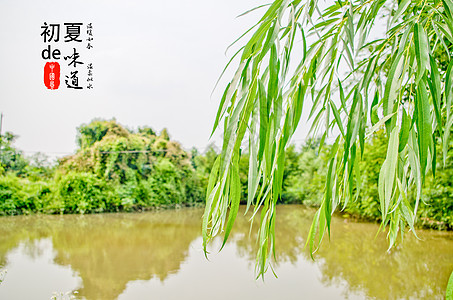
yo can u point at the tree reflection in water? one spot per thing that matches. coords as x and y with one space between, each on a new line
108 251
418 268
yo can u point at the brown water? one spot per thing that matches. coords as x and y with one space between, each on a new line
157 255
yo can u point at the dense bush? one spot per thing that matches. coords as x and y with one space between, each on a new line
367 203
435 209
164 186
114 169
304 177
82 193
306 170
142 169
21 196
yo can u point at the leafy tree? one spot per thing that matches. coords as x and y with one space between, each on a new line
203 163
11 159
354 77
147 131
436 210
137 171
88 134
164 134
367 203
304 175
40 167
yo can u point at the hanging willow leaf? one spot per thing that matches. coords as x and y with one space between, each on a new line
421 50
449 293
400 72
423 123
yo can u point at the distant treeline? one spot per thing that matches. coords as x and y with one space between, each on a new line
118 169
114 169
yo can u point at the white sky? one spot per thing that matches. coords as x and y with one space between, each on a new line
155 63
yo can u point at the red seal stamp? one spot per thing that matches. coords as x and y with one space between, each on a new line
52 75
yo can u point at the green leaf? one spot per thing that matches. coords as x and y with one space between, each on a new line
374 107
392 84
446 136
298 104
336 114
434 86
379 124
370 71
222 108
448 6
404 133
253 9
253 178
449 291
328 194
414 163
235 195
264 108
423 124
448 101
388 173
421 50
402 6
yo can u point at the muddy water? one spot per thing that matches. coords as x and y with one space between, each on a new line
157 255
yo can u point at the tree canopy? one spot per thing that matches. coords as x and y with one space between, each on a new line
356 66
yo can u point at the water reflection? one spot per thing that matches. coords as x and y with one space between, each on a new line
154 255
418 269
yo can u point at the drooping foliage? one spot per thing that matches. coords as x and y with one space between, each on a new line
365 65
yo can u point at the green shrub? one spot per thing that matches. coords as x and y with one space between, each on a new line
304 175
21 196
436 209
166 184
134 195
83 193
436 206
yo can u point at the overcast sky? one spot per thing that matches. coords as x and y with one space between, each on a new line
155 63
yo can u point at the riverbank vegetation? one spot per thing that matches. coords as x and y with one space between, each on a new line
114 169
118 169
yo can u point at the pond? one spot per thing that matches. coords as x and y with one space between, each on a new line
158 255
